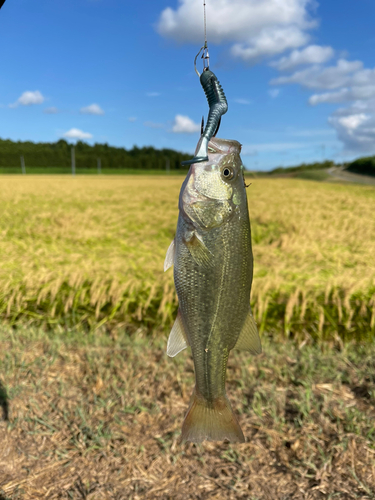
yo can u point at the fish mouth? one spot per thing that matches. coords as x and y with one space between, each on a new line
223 146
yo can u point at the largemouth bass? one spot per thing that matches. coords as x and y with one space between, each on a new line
213 270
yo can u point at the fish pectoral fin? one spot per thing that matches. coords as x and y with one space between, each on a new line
249 337
198 250
169 258
177 341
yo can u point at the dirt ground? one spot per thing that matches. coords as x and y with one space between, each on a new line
344 175
100 418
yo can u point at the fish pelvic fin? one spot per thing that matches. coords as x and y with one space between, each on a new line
177 340
198 250
211 422
169 258
249 337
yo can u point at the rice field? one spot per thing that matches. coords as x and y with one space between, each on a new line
88 252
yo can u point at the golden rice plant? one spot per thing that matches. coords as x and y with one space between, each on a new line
89 251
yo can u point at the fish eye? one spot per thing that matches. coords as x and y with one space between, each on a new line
228 173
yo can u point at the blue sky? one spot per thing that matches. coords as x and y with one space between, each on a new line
298 74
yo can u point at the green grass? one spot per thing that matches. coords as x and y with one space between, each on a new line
313 175
101 415
318 175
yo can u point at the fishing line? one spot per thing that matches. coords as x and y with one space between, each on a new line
205 30
204 50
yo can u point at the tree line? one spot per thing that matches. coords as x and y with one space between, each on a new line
58 154
365 166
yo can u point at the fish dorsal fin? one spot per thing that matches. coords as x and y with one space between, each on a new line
198 250
249 337
177 341
169 258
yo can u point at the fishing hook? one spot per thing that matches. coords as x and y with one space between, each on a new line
206 59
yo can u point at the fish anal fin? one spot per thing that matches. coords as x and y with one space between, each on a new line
198 250
169 258
211 422
249 337
177 340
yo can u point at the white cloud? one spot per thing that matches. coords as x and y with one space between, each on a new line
352 122
51 111
316 76
355 126
364 77
313 54
242 101
132 119
185 125
93 109
257 28
269 42
152 94
348 81
29 98
345 94
153 125
274 93
329 97
75 133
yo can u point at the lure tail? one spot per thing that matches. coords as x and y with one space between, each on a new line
211 422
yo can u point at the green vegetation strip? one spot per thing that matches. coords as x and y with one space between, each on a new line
321 316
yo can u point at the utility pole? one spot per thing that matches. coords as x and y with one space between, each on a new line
168 166
23 168
73 162
99 166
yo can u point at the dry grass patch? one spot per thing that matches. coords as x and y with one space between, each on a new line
101 418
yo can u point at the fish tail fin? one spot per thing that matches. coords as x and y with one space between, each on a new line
211 422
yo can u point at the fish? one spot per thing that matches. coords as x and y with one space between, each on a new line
213 271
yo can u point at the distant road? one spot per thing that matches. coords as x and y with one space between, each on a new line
344 175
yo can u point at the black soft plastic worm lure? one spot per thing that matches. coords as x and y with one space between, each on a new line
218 105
